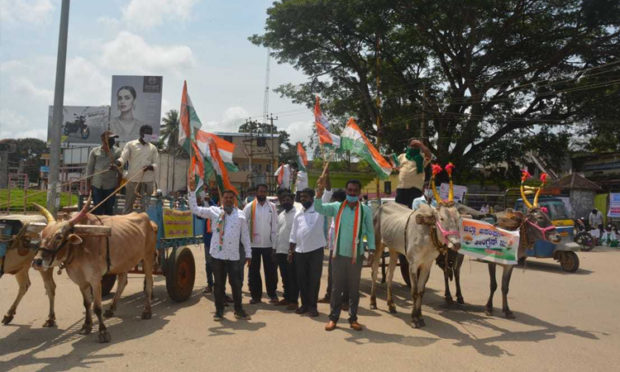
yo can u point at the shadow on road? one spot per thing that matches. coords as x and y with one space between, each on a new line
125 325
464 315
553 268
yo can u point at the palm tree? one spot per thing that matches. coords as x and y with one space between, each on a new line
169 133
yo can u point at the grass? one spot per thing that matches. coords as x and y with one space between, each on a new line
34 196
340 178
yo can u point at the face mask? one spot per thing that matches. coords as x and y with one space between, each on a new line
428 194
261 198
307 204
287 206
352 198
411 152
250 199
228 209
111 142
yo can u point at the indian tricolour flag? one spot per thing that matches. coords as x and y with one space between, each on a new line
189 121
354 140
225 148
322 127
302 158
213 158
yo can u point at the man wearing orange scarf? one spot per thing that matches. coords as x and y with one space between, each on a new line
353 223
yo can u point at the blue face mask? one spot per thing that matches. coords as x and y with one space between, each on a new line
352 199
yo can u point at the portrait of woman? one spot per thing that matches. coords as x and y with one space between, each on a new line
126 125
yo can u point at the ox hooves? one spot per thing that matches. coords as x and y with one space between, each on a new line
392 309
7 319
108 313
460 301
86 329
104 336
509 314
49 323
373 306
488 311
146 315
419 323
449 300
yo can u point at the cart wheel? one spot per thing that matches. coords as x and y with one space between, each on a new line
180 274
569 261
107 282
404 269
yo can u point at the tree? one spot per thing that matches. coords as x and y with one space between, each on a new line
169 134
27 156
463 75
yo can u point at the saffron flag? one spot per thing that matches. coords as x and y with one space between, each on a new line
354 140
322 127
302 158
188 121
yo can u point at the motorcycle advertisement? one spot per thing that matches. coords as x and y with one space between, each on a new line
136 101
81 124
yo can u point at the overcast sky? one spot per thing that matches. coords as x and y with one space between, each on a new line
201 41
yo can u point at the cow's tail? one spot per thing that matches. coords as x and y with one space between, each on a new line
155 228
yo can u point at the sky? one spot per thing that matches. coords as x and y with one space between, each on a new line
204 42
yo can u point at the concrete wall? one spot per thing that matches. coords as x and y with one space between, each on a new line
582 202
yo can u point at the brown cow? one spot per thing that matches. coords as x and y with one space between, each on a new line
100 245
19 255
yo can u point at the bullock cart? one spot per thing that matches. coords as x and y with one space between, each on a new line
177 228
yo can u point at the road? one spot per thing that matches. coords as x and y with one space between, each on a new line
563 322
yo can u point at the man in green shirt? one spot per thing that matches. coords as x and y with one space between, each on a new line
353 222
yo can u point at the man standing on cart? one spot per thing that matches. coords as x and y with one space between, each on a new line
230 231
102 178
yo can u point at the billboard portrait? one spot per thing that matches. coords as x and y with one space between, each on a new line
81 124
136 101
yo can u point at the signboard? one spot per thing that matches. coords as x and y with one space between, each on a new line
614 205
459 192
136 101
177 224
81 124
487 242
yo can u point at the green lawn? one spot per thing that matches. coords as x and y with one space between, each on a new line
34 196
340 178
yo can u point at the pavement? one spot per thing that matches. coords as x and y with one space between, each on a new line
564 321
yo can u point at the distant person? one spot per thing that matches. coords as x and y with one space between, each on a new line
102 175
595 219
126 125
143 158
283 176
427 198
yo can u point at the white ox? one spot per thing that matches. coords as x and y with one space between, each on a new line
418 235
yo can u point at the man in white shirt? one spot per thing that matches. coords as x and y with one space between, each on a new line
229 231
287 270
301 182
283 176
263 225
306 250
143 158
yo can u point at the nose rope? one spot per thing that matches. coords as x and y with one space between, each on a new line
543 230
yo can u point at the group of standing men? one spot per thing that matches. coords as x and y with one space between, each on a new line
293 241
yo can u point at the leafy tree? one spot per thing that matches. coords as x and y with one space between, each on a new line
169 134
287 151
464 75
27 156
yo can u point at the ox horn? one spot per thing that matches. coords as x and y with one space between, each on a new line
524 176
436 168
543 178
82 213
50 218
449 167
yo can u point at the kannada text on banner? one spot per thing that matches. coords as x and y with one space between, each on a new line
487 242
177 224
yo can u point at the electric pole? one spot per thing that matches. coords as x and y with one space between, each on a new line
53 201
277 143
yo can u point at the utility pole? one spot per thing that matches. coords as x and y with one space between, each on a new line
53 201
423 123
378 62
273 148
251 175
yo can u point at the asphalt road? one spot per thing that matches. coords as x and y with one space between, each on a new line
564 321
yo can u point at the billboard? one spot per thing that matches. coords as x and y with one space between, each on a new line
136 101
81 124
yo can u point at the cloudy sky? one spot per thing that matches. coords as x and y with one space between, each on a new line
201 41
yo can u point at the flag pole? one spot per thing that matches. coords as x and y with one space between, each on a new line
378 102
